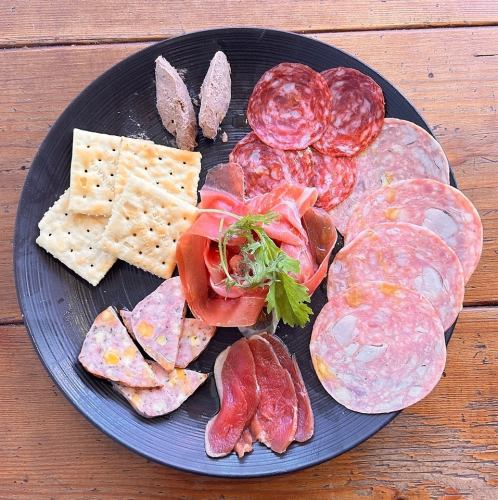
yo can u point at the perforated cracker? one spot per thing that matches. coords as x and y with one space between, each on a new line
93 169
72 239
145 225
175 170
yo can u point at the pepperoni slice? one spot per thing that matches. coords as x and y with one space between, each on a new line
333 177
357 112
289 107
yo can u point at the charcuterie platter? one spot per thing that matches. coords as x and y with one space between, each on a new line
173 243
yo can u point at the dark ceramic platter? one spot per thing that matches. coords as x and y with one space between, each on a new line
59 307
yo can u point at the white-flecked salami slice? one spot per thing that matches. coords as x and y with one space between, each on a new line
357 106
441 208
405 254
289 107
401 151
194 339
333 177
157 320
177 386
108 352
378 347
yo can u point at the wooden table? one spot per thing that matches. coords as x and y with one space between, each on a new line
443 55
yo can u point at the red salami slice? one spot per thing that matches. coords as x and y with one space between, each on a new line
401 151
357 105
333 177
438 207
378 347
405 254
289 107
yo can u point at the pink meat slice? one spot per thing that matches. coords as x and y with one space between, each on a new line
194 339
244 444
401 151
357 106
275 421
405 254
289 107
235 376
156 322
305 419
441 208
378 347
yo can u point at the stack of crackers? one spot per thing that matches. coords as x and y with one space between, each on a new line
128 199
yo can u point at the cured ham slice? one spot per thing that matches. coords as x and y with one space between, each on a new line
235 376
108 352
177 386
156 322
305 419
275 421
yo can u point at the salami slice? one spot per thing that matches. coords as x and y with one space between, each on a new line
405 254
177 386
108 352
289 107
357 106
333 177
378 347
156 322
434 205
402 151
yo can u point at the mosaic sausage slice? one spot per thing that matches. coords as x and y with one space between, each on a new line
177 386
156 322
289 107
378 347
235 376
108 352
305 419
194 338
441 208
401 151
405 254
275 421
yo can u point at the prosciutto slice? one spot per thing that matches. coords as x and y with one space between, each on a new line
198 259
235 376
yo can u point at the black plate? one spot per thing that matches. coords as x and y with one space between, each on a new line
59 307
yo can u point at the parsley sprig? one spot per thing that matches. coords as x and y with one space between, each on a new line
264 264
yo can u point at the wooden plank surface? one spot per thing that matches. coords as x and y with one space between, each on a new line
445 445
451 76
40 22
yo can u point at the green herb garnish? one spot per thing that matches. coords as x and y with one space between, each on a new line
264 264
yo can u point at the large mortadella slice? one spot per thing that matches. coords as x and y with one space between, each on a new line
305 419
156 322
289 107
108 352
405 254
378 347
441 208
177 386
194 338
357 106
401 151
235 376
275 421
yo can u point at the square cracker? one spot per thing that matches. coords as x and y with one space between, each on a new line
145 224
73 239
174 170
93 169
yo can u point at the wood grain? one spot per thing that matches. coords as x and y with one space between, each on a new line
451 75
446 446
40 22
